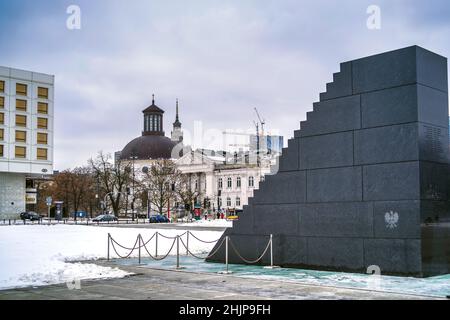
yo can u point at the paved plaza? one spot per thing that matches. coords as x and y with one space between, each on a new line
158 284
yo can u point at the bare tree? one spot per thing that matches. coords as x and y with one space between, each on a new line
74 187
113 178
159 182
185 192
44 189
79 185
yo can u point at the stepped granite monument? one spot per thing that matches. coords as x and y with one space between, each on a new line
365 179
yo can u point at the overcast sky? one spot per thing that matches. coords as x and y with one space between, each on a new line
220 58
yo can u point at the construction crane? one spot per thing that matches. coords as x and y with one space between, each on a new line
258 143
259 134
262 121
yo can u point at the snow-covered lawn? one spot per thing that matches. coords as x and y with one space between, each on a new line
210 223
39 255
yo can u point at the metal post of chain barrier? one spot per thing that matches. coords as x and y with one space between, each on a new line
187 242
178 253
139 244
227 238
108 246
156 246
271 255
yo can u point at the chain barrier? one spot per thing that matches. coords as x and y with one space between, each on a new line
208 256
165 256
250 261
151 238
132 250
172 237
202 240
139 243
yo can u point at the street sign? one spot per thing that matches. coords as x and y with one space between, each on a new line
49 200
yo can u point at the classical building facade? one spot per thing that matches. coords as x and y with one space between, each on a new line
26 137
223 181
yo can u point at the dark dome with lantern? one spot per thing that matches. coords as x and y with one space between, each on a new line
153 144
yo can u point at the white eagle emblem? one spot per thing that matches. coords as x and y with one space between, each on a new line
391 219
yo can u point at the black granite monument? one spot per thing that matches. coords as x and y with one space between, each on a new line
365 179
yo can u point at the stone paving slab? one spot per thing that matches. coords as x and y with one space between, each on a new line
158 284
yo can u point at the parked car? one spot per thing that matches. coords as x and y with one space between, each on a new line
30 215
142 215
104 218
158 219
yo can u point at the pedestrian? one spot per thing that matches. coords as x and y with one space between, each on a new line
221 215
218 215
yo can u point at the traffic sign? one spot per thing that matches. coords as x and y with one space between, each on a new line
49 201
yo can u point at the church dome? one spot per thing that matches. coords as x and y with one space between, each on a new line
148 147
152 144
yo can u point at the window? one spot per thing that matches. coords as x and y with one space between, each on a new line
220 202
228 202
2 134
42 138
21 105
42 107
21 89
2 118
238 182
21 136
152 123
251 182
196 184
21 121
238 202
21 152
229 183
41 154
1 150
42 123
2 102
42 93
2 86
220 184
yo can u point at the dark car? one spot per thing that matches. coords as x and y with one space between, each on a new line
158 219
104 218
30 215
142 215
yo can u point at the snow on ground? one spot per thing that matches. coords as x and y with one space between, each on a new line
210 223
40 254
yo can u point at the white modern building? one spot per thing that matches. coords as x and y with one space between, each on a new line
26 137
266 144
